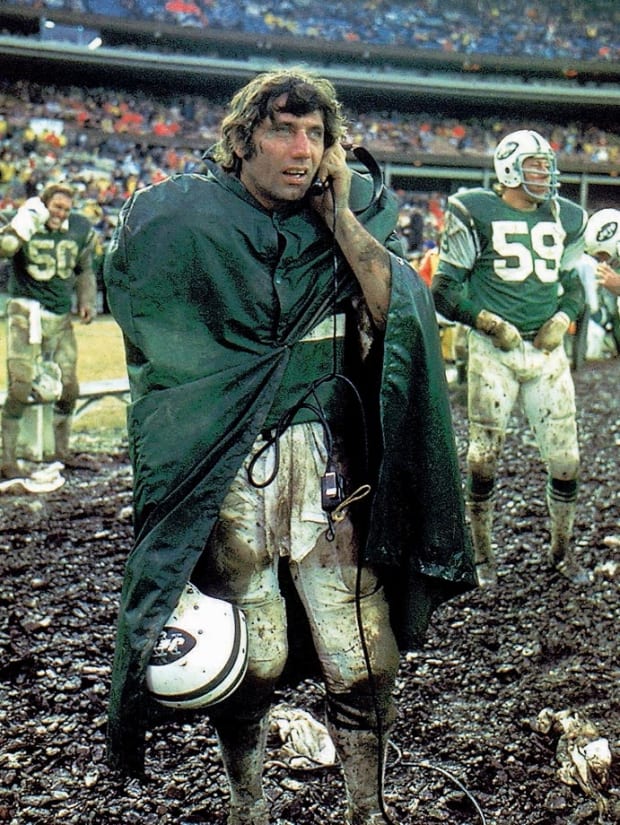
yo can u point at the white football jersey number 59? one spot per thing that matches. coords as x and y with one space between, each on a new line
538 253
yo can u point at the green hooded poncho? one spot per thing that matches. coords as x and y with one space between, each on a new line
212 292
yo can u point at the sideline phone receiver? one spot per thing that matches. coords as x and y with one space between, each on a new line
318 187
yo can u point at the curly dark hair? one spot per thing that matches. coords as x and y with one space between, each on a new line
255 102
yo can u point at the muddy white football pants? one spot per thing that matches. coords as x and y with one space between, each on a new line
33 333
542 384
257 530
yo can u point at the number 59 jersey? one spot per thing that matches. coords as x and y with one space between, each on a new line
515 263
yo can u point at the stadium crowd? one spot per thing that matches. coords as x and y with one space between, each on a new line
578 29
107 142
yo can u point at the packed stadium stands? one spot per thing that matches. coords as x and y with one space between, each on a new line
123 140
566 28
110 139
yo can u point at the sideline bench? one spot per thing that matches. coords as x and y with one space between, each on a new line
93 391
36 438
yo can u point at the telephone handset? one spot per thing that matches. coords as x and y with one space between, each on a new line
319 187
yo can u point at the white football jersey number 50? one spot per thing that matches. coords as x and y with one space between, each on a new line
49 258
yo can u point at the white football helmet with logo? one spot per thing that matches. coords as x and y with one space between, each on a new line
201 655
510 153
602 235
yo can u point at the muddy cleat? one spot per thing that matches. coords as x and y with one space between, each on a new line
570 569
564 562
80 461
12 470
254 814
71 460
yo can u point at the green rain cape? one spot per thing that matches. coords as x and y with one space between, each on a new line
212 292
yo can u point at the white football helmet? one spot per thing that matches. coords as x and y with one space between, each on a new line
201 655
508 159
47 382
602 234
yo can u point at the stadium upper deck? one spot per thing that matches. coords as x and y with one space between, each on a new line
584 30
420 60
574 39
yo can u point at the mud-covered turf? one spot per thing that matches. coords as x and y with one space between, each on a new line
464 748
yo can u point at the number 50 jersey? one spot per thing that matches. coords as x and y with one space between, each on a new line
518 264
52 262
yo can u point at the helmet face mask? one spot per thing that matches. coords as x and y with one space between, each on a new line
510 158
602 235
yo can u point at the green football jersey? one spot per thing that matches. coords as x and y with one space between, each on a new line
518 264
45 268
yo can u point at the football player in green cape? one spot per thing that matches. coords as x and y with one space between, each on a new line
279 464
